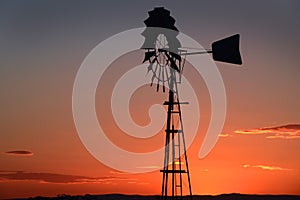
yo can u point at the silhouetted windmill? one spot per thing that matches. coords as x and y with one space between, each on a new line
166 62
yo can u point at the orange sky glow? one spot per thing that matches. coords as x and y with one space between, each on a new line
41 152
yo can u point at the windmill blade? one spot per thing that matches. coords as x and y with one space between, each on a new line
148 55
172 54
149 67
163 78
154 73
173 64
175 55
158 78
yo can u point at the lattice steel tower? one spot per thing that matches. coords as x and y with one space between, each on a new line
166 66
166 62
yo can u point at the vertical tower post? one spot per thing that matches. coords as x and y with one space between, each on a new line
175 145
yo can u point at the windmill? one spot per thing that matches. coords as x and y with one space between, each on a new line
166 60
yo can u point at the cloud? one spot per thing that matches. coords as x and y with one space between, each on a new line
117 172
6 175
19 153
224 135
290 131
266 167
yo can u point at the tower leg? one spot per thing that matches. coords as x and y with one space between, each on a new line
174 139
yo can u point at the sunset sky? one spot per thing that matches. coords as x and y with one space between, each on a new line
42 45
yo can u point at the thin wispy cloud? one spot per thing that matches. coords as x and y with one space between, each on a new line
224 135
291 131
6 175
19 153
117 172
266 167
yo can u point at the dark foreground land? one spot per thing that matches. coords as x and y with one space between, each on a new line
196 197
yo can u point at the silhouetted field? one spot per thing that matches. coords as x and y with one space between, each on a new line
196 197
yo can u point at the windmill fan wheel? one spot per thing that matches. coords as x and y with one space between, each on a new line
161 45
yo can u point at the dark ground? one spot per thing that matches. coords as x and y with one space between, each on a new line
196 197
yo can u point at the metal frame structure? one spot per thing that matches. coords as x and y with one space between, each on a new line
166 61
175 141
